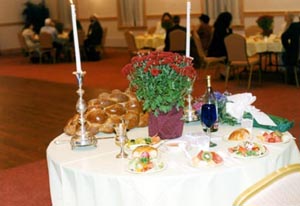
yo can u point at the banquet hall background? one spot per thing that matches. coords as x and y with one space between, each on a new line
17 73
11 16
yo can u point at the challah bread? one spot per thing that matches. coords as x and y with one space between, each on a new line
109 109
239 135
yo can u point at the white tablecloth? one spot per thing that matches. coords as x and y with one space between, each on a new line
151 41
93 176
259 45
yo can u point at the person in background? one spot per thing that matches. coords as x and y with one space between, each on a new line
176 26
50 28
94 37
290 42
165 23
204 31
221 30
288 19
79 28
31 38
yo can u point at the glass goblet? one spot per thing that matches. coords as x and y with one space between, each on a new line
208 118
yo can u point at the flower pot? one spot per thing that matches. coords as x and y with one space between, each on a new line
166 125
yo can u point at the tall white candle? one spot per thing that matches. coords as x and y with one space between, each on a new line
188 28
75 37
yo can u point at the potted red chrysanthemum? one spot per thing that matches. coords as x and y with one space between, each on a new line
161 81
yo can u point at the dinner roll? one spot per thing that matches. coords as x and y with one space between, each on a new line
239 135
137 152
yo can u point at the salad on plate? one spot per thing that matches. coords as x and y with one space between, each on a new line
248 149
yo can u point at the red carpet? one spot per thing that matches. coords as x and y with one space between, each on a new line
26 185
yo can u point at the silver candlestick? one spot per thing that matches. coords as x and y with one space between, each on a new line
189 112
82 138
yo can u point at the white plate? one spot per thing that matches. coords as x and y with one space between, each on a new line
262 153
153 170
195 162
285 139
131 147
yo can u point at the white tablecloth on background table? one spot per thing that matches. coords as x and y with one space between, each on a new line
150 41
93 176
260 45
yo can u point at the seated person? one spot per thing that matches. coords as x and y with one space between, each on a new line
31 38
221 30
290 42
176 26
204 31
94 37
164 24
50 28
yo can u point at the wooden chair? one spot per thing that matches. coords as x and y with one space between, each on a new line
252 30
81 38
277 189
237 57
206 62
132 48
177 39
100 48
46 46
151 30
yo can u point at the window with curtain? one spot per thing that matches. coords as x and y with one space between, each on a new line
214 7
131 13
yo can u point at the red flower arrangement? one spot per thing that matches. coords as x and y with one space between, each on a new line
161 79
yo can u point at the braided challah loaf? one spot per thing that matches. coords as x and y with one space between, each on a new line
109 109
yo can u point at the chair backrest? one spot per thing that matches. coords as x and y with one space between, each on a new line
151 30
22 41
252 30
104 35
46 41
279 188
177 40
236 48
198 44
81 37
130 40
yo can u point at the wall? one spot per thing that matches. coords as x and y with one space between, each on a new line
11 18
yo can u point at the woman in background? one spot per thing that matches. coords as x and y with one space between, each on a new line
221 30
165 23
204 31
31 38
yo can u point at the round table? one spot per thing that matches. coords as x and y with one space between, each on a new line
93 176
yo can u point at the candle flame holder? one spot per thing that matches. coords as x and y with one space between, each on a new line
82 138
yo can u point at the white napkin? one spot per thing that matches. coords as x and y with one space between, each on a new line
240 103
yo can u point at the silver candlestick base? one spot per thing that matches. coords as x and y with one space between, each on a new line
189 112
82 138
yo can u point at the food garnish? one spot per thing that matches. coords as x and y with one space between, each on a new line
248 149
206 158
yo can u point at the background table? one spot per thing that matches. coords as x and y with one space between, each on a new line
94 176
260 45
150 41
